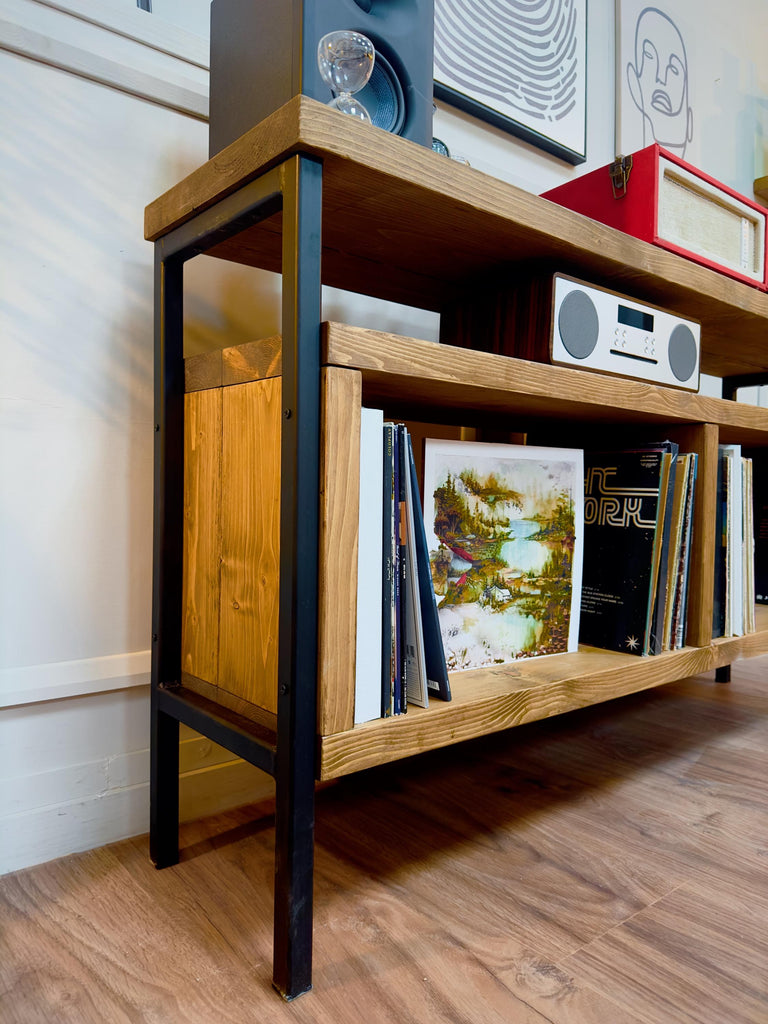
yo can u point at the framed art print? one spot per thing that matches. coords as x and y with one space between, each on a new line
504 526
520 65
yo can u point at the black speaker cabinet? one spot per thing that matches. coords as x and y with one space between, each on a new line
264 52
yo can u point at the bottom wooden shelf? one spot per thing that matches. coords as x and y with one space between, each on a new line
494 698
728 649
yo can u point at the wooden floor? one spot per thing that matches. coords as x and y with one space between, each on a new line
605 867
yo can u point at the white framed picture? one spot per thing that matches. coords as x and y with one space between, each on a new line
518 65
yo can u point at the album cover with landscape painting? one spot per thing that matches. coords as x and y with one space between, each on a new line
504 527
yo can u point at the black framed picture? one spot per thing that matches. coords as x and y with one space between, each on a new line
520 65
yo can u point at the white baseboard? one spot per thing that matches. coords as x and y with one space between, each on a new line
46 833
99 810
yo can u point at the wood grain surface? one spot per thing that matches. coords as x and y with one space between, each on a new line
499 697
606 867
250 530
403 369
703 440
202 534
423 223
485 701
237 364
339 509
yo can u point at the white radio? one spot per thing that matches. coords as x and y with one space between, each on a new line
610 333
554 318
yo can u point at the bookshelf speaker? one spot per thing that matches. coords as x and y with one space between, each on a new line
264 52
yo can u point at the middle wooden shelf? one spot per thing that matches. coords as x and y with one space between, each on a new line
233 416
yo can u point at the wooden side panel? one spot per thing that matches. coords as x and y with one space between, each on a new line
237 364
202 534
250 522
339 505
203 371
702 439
252 361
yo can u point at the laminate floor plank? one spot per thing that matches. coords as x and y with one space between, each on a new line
698 956
500 878
603 867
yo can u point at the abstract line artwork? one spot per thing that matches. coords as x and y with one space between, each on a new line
654 74
518 64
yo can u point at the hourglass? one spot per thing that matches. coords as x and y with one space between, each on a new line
345 59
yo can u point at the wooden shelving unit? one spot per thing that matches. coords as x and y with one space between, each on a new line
266 600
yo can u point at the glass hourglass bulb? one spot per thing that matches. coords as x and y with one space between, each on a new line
345 60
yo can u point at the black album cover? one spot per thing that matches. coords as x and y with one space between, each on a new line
621 547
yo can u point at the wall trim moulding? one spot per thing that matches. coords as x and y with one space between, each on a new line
43 30
34 683
139 26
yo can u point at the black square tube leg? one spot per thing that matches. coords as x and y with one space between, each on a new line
297 663
723 674
164 790
167 554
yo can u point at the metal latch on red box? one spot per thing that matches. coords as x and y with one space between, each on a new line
619 171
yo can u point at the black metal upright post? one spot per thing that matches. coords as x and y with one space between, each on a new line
296 187
297 664
168 553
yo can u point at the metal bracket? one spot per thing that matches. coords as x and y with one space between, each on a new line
619 171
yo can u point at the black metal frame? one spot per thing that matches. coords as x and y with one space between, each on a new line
295 187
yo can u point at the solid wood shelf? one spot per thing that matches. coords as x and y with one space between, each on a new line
420 223
399 369
726 649
499 697
402 370
372 367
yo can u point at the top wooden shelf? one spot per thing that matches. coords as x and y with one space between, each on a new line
403 223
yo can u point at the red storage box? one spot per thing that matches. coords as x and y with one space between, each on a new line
660 198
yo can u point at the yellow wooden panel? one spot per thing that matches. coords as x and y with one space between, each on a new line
339 503
703 440
250 525
202 495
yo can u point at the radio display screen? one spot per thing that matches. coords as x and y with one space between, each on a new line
635 318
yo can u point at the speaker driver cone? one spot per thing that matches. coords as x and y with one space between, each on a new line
683 352
383 97
578 324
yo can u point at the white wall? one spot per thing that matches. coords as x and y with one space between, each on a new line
103 109
79 161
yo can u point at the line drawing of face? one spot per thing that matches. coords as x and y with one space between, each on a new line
658 81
